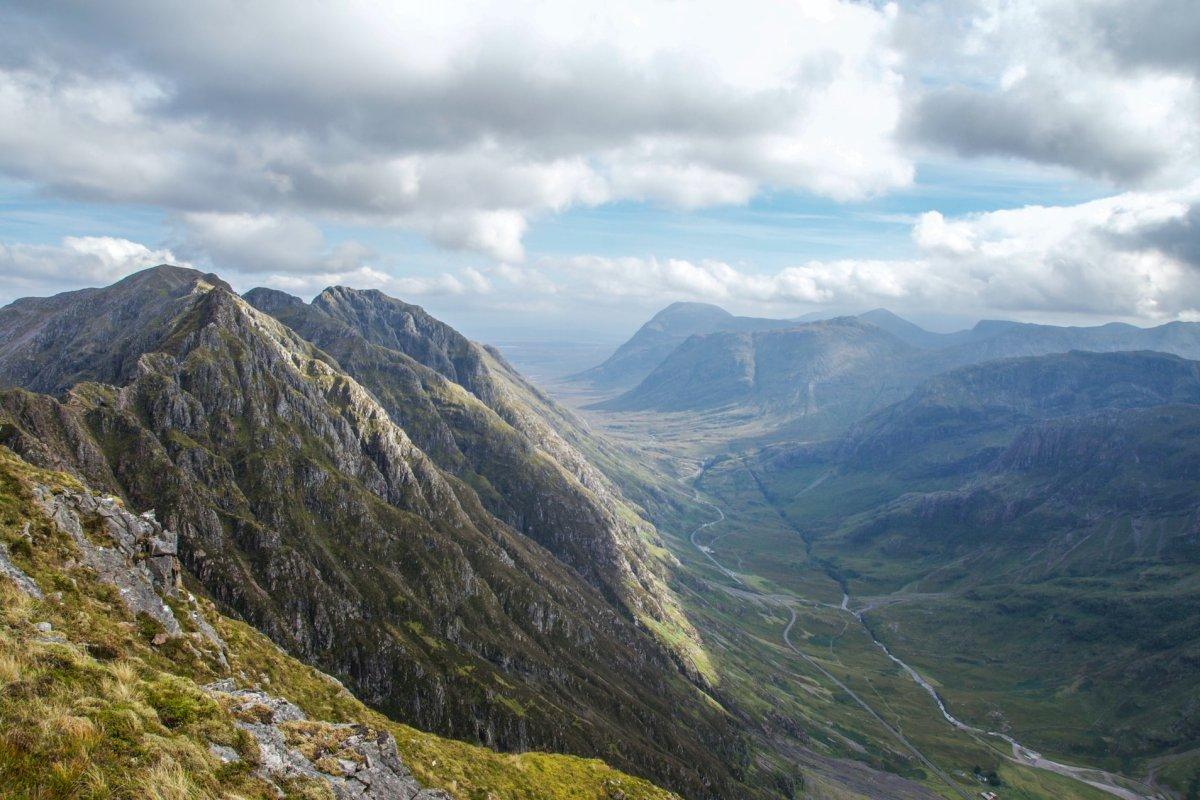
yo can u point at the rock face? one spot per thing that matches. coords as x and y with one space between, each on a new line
356 762
301 503
133 553
462 405
17 575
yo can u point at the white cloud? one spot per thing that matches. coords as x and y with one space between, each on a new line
265 243
461 122
35 269
466 282
1105 88
1126 256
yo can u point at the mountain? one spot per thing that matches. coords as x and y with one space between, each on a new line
814 380
306 509
119 682
965 404
1025 532
665 331
826 374
990 340
904 330
466 409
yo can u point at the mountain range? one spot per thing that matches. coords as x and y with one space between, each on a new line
385 500
308 541
813 379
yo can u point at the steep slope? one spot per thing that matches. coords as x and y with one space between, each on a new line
305 508
115 682
665 331
511 461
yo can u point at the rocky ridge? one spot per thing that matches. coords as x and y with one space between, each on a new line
303 506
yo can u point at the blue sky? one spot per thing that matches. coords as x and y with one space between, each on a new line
531 169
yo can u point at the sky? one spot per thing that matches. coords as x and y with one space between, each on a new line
563 170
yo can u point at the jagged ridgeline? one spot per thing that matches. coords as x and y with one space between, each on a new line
384 499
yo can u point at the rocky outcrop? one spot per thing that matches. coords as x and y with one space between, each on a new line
477 418
132 552
17 575
355 761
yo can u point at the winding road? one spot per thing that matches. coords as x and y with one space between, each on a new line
787 640
1099 779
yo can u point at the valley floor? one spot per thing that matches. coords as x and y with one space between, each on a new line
791 644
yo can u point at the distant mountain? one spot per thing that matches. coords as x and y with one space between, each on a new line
815 379
826 373
990 340
904 330
665 331
970 403
493 588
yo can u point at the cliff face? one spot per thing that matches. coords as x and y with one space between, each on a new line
477 419
305 507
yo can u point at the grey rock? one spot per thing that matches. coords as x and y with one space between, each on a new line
131 564
15 574
375 771
142 561
227 755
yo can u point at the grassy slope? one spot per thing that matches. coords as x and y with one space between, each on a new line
94 710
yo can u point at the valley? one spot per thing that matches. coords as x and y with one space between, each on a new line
636 400
775 534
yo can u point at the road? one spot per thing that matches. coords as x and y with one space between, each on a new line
787 640
1099 779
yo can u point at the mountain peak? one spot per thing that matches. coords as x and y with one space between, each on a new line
271 300
169 278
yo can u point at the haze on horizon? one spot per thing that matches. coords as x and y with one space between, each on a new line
533 168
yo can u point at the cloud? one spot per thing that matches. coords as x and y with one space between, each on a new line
1105 88
1131 255
464 283
1034 121
264 243
463 122
1154 33
1178 237
38 269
